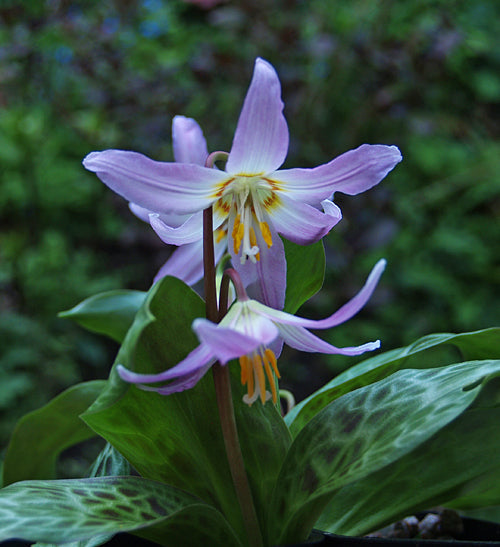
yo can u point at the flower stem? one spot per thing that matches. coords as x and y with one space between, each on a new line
223 393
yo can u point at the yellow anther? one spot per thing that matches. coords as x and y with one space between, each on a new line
266 233
269 354
253 241
238 237
236 225
271 379
244 369
257 365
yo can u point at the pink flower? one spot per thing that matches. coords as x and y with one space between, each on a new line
255 198
247 332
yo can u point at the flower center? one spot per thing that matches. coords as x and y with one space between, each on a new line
252 196
254 369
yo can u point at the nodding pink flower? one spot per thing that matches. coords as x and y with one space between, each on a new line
256 198
249 332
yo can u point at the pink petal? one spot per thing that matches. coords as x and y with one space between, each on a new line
260 143
227 343
186 262
158 186
302 340
302 223
198 359
351 173
189 143
191 230
180 384
265 280
340 316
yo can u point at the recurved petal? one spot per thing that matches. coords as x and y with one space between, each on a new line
260 143
180 384
161 187
191 230
186 262
227 343
351 173
198 359
302 340
302 223
340 316
189 143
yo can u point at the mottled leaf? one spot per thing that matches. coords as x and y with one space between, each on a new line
483 344
77 510
365 430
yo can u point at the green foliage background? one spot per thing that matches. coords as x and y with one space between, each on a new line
78 76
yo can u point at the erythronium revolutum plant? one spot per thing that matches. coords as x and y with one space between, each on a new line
197 458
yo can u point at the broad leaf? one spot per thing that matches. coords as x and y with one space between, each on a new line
176 439
43 434
78 510
364 431
110 313
305 272
483 344
458 467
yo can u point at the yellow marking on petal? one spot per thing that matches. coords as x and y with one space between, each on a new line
272 381
269 353
266 233
219 234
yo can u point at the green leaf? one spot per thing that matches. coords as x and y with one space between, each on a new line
77 510
457 467
305 272
109 463
483 344
43 434
177 439
365 430
110 313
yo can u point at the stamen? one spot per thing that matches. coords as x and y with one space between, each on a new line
244 369
250 379
266 233
271 379
257 364
269 353
253 241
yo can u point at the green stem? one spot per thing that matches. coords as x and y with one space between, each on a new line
224 396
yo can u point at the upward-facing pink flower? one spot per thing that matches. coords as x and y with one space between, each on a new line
256 199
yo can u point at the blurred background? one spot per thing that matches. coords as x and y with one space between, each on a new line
77 76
